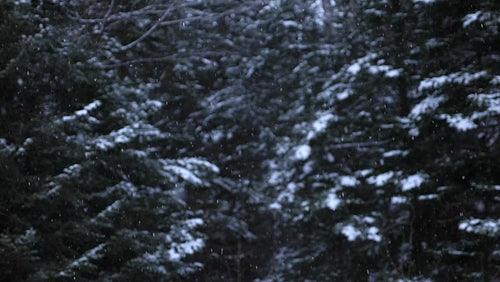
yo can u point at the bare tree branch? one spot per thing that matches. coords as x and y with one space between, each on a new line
164 58
147 10
106 16
108 13
147 33
357 145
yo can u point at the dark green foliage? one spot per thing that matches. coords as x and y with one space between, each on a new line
249 141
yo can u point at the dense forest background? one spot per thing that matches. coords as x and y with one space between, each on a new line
269 140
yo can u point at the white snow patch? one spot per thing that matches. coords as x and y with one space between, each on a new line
398 200
72 170
459 122
302 152
91 254
320 125
104 144
425 106
364 172
289 193
332 201
463 78
488 227
84 112
470 18
28 141
354 68
189 169
490 100
414 132
393 73
348 181
368 219
190 162
380 179
351 232
378 69
22 2
180 250
373 234
394 153
386 69
428 197
290 24
413 181
68 118
307 168
359 63
330 157
128 133
121 139
319 12
424 1
275 177
344 94
184 174
116 205
152 260
486 187
495 80
216 135
88 108
193 222
275 206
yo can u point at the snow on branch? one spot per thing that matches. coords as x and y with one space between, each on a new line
84 112
191 170
84 260
488 227
461 78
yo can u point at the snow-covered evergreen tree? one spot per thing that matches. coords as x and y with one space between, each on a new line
237 141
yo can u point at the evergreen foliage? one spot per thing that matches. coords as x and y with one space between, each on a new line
280 140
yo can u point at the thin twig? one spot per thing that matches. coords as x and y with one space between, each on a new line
147 33
108 13
151 9
165 23
357 145
165 58
106 16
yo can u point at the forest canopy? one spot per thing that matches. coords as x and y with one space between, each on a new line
225 140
